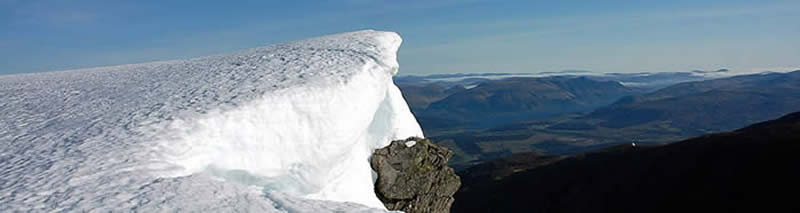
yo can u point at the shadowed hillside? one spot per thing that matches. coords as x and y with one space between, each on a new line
749 170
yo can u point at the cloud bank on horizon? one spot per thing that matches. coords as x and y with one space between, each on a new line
445 36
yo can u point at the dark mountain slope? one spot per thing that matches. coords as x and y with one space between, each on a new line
754 169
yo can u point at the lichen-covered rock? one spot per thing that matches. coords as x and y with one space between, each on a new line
413 176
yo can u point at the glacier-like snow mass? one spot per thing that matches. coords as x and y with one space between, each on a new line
283 128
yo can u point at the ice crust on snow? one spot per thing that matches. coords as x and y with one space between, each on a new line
288 127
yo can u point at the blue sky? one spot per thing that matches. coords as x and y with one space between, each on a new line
445 36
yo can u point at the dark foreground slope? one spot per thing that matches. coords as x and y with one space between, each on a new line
755 169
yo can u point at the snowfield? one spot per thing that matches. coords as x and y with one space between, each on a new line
283 128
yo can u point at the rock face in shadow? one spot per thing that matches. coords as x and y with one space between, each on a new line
413 176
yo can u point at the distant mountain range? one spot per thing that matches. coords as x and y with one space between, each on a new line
514 99
482 119
708 106
545 95
754 169
654 81
647 80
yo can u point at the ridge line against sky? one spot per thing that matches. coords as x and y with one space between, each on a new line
439 36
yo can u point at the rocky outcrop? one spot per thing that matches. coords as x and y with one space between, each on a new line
413 176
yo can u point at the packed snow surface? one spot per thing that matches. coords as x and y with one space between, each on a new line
283 128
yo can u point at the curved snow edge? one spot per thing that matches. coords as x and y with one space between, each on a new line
311 141
259 130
